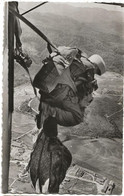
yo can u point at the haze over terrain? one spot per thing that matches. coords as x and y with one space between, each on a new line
93 30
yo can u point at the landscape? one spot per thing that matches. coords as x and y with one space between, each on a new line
95 144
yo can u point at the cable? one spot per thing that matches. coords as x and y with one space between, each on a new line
34 8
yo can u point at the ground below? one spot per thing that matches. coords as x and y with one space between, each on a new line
95 144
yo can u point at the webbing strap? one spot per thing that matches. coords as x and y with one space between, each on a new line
35 92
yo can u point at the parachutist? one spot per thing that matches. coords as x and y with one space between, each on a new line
66 82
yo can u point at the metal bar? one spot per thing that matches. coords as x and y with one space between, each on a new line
11 27
8 78
34 8
32 27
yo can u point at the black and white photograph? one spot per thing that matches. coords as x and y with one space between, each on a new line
62 98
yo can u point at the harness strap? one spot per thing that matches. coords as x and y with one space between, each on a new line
49 48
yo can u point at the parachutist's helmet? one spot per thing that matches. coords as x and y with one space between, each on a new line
99 62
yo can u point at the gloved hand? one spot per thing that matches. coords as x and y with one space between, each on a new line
22 58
